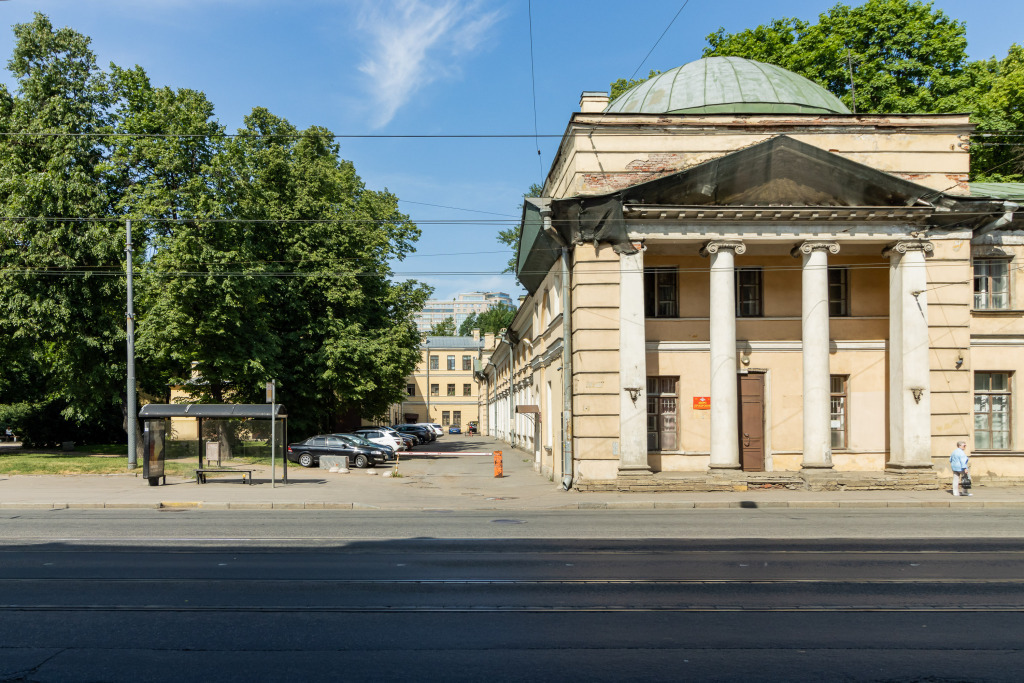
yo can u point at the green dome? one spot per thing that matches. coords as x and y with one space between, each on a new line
728 85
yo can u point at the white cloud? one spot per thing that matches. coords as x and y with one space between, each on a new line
414 43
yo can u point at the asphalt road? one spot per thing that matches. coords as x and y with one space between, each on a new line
110 595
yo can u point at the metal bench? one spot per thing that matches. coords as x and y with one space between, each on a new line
202 472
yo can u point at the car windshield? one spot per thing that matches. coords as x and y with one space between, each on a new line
355 440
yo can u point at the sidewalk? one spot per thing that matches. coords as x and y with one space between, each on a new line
448 481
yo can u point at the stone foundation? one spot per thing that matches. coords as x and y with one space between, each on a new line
734 480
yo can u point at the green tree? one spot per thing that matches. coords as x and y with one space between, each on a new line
291 283
906 56
445 328
61 316
468 325
495 319
997 149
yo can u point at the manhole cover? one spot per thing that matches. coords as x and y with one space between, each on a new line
509 521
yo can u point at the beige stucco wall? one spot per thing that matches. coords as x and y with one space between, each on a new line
417 403
603 153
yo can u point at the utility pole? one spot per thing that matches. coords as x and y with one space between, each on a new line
272 400
853 88
426 344
133 419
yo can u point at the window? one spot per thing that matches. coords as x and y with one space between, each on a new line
662 402
992 410
660 293
451 389
445 418
991 283
451 362
433 362
411 389
467 362
456 417
749 293
838 292
467 389
433 390
838 412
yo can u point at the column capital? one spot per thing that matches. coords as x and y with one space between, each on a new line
903 246
814 245
714 246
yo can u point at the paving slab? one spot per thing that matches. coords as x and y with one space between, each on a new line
450 479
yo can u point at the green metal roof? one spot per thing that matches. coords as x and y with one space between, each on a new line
728 85
998 190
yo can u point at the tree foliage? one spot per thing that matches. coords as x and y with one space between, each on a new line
490 321
61 325
445 328
905 56
259 256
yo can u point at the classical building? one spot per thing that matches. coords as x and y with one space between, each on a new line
761 283
461 307
443 389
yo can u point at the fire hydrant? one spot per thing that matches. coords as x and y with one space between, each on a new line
497 464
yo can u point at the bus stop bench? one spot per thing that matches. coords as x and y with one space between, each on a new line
201 473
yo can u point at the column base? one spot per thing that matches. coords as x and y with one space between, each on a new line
816 466
713 467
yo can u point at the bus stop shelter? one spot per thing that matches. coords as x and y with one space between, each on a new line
212 430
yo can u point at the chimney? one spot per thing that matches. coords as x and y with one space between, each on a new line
593 102
476 334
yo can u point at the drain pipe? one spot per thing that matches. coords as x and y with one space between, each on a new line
1002 221
567 441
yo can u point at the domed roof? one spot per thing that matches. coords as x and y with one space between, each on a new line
728 85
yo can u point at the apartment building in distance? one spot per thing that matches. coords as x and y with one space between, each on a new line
461 307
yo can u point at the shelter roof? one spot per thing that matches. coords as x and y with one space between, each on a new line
210 410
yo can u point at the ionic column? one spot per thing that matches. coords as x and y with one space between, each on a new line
815 345
725 449
909 376
632 364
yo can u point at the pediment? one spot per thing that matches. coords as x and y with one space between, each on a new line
778 172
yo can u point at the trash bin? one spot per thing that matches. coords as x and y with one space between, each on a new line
153 454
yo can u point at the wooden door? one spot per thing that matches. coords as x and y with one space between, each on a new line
752 422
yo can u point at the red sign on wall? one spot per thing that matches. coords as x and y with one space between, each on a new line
702 403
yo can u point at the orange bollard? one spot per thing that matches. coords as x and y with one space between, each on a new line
497 464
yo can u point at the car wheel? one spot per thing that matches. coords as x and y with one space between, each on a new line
306 460
359 461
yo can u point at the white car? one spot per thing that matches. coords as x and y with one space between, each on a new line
382 437
435 427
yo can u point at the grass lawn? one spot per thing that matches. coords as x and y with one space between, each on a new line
28 462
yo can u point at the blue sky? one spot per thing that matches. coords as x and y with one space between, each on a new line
431 67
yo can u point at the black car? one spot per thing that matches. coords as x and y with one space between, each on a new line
307 453
422 434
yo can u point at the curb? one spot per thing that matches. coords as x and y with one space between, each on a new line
588 505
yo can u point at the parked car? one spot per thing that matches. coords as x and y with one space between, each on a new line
422 433
381 437
361 452
454 429
410 440
435 428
